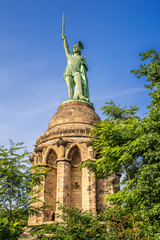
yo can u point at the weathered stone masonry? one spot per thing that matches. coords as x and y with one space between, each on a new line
63 147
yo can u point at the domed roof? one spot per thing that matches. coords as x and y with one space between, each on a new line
73 119
74 112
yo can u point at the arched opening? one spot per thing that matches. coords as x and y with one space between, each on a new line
53 217
51 159
76 179
50 187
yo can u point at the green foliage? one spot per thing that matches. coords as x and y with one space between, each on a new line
147 178
112 139
75 225
114 223
130 145
16 189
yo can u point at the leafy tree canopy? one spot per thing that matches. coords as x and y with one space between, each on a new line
17 180
131 145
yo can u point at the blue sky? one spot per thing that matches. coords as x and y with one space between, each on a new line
32 58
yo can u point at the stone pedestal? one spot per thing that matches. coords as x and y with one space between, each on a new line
63 147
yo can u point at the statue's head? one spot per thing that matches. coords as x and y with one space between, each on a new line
77 48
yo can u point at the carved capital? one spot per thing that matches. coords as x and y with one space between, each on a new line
61 142
88 144
38 149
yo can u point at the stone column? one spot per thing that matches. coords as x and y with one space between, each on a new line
88 185
63 184
88 191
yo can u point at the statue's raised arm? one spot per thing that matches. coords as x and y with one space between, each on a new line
75 72
66 48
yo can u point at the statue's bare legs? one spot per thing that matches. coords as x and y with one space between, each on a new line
69 81
78 87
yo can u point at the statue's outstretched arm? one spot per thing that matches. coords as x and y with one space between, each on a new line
66 48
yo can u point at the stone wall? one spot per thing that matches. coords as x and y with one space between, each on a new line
76 188
63 147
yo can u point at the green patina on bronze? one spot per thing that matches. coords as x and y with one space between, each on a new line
75 72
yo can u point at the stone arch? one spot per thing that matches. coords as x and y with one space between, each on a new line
70 148
50 184
75 157
76 177
47 153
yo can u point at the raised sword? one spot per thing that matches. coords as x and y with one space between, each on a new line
63 25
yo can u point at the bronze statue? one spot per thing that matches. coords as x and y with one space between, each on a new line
75 72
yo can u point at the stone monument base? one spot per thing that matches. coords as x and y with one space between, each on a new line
63 148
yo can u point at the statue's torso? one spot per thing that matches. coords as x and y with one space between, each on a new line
74 64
